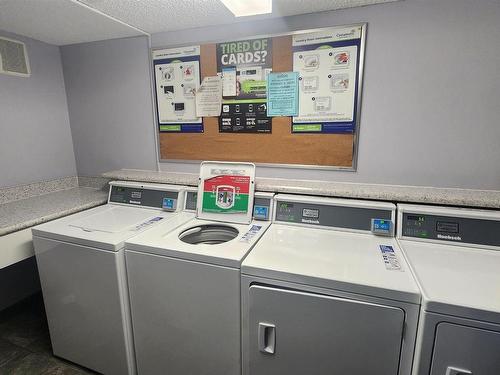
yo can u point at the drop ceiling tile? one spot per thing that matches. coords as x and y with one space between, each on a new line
60 22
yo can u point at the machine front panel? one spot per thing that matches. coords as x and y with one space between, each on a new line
358 218
452 229
137 196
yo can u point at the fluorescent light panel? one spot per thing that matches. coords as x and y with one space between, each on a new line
243 8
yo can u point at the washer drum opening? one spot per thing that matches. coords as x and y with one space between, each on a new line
212 234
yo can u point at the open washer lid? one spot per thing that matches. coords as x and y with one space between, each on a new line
226 192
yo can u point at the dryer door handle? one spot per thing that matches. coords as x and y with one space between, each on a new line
267 338
457 371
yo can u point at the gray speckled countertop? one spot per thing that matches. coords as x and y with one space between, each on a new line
25 213
394 193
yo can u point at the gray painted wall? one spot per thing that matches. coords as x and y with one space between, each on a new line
35 138
109 101
430 113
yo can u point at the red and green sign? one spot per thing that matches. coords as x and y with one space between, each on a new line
226 193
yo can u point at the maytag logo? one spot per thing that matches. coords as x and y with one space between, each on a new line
448 237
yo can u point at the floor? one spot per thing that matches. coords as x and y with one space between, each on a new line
25 343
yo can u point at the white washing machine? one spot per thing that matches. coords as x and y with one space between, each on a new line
454 255
81 263
326 291
185 284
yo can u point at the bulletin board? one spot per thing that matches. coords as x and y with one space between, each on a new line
292 141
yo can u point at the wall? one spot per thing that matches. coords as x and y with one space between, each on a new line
109 101
430 102
35 139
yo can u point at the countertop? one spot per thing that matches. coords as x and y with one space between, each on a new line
25 213
393 193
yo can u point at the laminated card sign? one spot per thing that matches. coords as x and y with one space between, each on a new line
244 66
177 78
328 66
226 193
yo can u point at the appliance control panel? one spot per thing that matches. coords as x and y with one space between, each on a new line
191 200
263 206
337 216
382 227
451 228
145 197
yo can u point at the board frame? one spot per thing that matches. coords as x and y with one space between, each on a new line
355 151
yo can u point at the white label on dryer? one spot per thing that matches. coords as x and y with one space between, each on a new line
254 229
147 223
390 258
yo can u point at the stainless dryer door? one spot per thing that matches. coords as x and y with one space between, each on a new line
297 333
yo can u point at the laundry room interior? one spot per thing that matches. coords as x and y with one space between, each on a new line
250 187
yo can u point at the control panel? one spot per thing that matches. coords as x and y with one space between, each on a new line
382 227
146 197
338 216
191 200
262 206
451 228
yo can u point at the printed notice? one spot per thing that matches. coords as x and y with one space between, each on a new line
177 78
226 193
283 94
390 258
244 66
328 63
252 232
229 82
209 97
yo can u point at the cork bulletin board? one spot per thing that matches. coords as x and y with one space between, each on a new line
281 146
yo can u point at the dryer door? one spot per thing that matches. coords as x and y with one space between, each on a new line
461 350
297 333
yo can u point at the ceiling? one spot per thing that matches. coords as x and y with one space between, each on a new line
62 22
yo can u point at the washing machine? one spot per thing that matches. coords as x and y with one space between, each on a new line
81 263
454 255
185 283
326 291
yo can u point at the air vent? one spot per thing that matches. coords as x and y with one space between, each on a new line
13 58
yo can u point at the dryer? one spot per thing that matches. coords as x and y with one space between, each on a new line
454 255
185 283
326 290
81 263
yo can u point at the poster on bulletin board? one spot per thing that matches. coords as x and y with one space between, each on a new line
328 63
291 100
177 78
244 66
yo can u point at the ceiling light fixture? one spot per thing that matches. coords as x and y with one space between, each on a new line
243 8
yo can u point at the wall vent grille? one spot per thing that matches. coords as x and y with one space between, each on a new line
13 58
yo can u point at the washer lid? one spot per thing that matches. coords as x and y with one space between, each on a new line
456 280
104 227
115 219
226 192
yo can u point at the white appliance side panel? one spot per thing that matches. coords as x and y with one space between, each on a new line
84 305
185 316
465 348
316 334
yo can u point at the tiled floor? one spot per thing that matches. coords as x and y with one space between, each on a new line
25 344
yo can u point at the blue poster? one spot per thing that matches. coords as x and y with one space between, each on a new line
283 94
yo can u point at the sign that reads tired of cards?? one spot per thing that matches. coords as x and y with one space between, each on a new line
244 53
244 66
